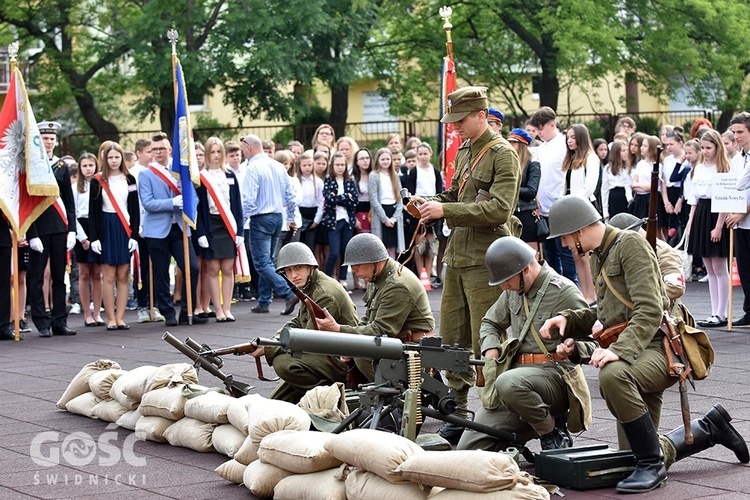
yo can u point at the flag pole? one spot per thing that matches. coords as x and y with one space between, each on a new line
15 302
172 36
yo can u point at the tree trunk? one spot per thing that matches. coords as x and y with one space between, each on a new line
339 107
166 111
104 130
549 86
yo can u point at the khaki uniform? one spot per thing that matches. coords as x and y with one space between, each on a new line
474 226
299 375
637 381
532 395
395 302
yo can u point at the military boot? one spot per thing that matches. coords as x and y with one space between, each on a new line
649 472
714 428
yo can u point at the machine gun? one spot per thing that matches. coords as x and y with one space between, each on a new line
406 378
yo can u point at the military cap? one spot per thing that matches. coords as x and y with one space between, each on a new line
495 115
49 128
464 101
626 222
519 135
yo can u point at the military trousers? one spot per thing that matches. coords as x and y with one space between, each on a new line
466 298
531 397
299 375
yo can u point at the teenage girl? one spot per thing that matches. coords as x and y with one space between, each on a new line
320 167
642 175
361 173
286 158
89 270
670 202
347 146
708 236
114 214
202 293
385 200
340 193
311 204
617 192
425 180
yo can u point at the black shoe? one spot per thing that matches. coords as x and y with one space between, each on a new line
44 332
196 320
451 432
742 322
24 326
289 305
714 428
649 472
171 322
65 331
7 334
259 309
248 294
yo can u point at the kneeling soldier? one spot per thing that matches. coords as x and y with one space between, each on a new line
299 375
532 396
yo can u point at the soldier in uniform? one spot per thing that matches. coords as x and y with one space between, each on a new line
532 396
396 303
478 208
299 375
47 240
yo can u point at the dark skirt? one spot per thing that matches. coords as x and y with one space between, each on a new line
390 234
321 235
115 242
84 256
618 202
700 233
527 218
669 220
640 206
221 242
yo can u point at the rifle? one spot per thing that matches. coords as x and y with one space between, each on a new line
652 201
236 350
316 312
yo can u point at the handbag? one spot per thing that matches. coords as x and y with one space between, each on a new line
542 226
685 257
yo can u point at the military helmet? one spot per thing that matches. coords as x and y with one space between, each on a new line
365 248
570 214
294 254
507 257
626 222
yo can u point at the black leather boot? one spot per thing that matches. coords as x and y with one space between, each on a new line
649 472
714 428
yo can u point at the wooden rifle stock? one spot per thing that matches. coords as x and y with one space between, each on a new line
653 200
316 312
239 350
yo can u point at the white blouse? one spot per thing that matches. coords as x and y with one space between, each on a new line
312 195
118 186
583 180
701 183
387 197
219 181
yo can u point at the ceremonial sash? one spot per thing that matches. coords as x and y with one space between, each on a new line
241 263
168 180
60 207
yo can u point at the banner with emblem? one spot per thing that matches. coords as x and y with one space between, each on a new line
27 184
184 162
451 140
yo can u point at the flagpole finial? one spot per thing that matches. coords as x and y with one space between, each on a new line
446 13
172 36
13 51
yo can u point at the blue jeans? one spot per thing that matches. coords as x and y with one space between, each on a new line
265 230
560 259
338 239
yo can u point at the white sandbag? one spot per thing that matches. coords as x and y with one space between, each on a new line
129 388
191 433
262 478
152 428
80 383
376 451
167 402
169 375
227 439
269 415
247 453
321 485
232 471
129 419
302 452
237 411
83 404
109 411
210 407
364 485
101 382
521 491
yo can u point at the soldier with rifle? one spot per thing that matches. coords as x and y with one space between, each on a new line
532 395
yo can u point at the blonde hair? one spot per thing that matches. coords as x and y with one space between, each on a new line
210 143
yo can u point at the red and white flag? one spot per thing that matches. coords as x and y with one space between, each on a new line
451 140
27 184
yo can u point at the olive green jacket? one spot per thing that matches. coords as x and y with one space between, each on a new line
476 225
328 294
633 271
394 302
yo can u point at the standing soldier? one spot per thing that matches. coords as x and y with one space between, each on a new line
47 240
478 208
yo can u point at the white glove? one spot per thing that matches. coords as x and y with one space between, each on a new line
96 247
71 240
177 201
240 241
203 242
36 245
132 245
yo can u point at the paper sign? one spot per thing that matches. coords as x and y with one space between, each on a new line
724 195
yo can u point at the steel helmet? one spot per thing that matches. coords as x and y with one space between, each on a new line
506 257
570 214
294 254
365 248
626 222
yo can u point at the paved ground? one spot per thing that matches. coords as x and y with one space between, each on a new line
36 371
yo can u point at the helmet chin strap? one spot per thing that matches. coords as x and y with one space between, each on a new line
579 248
521 286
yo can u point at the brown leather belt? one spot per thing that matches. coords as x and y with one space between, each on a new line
534 359
409 336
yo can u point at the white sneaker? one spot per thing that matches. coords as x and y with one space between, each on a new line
703 279
157 315
143 316
75 308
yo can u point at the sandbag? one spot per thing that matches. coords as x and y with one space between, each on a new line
469 470
302 452
521 491
191 433
227 439
376 451
237 411
247 453
209 407
262 478
268 416
170 375
129 419
152 428
167 402
232 471
129 388
364 485
109 411
80 383
321 485
83 404
101 382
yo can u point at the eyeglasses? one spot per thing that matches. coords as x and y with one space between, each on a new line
156 150
627 125
325 131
